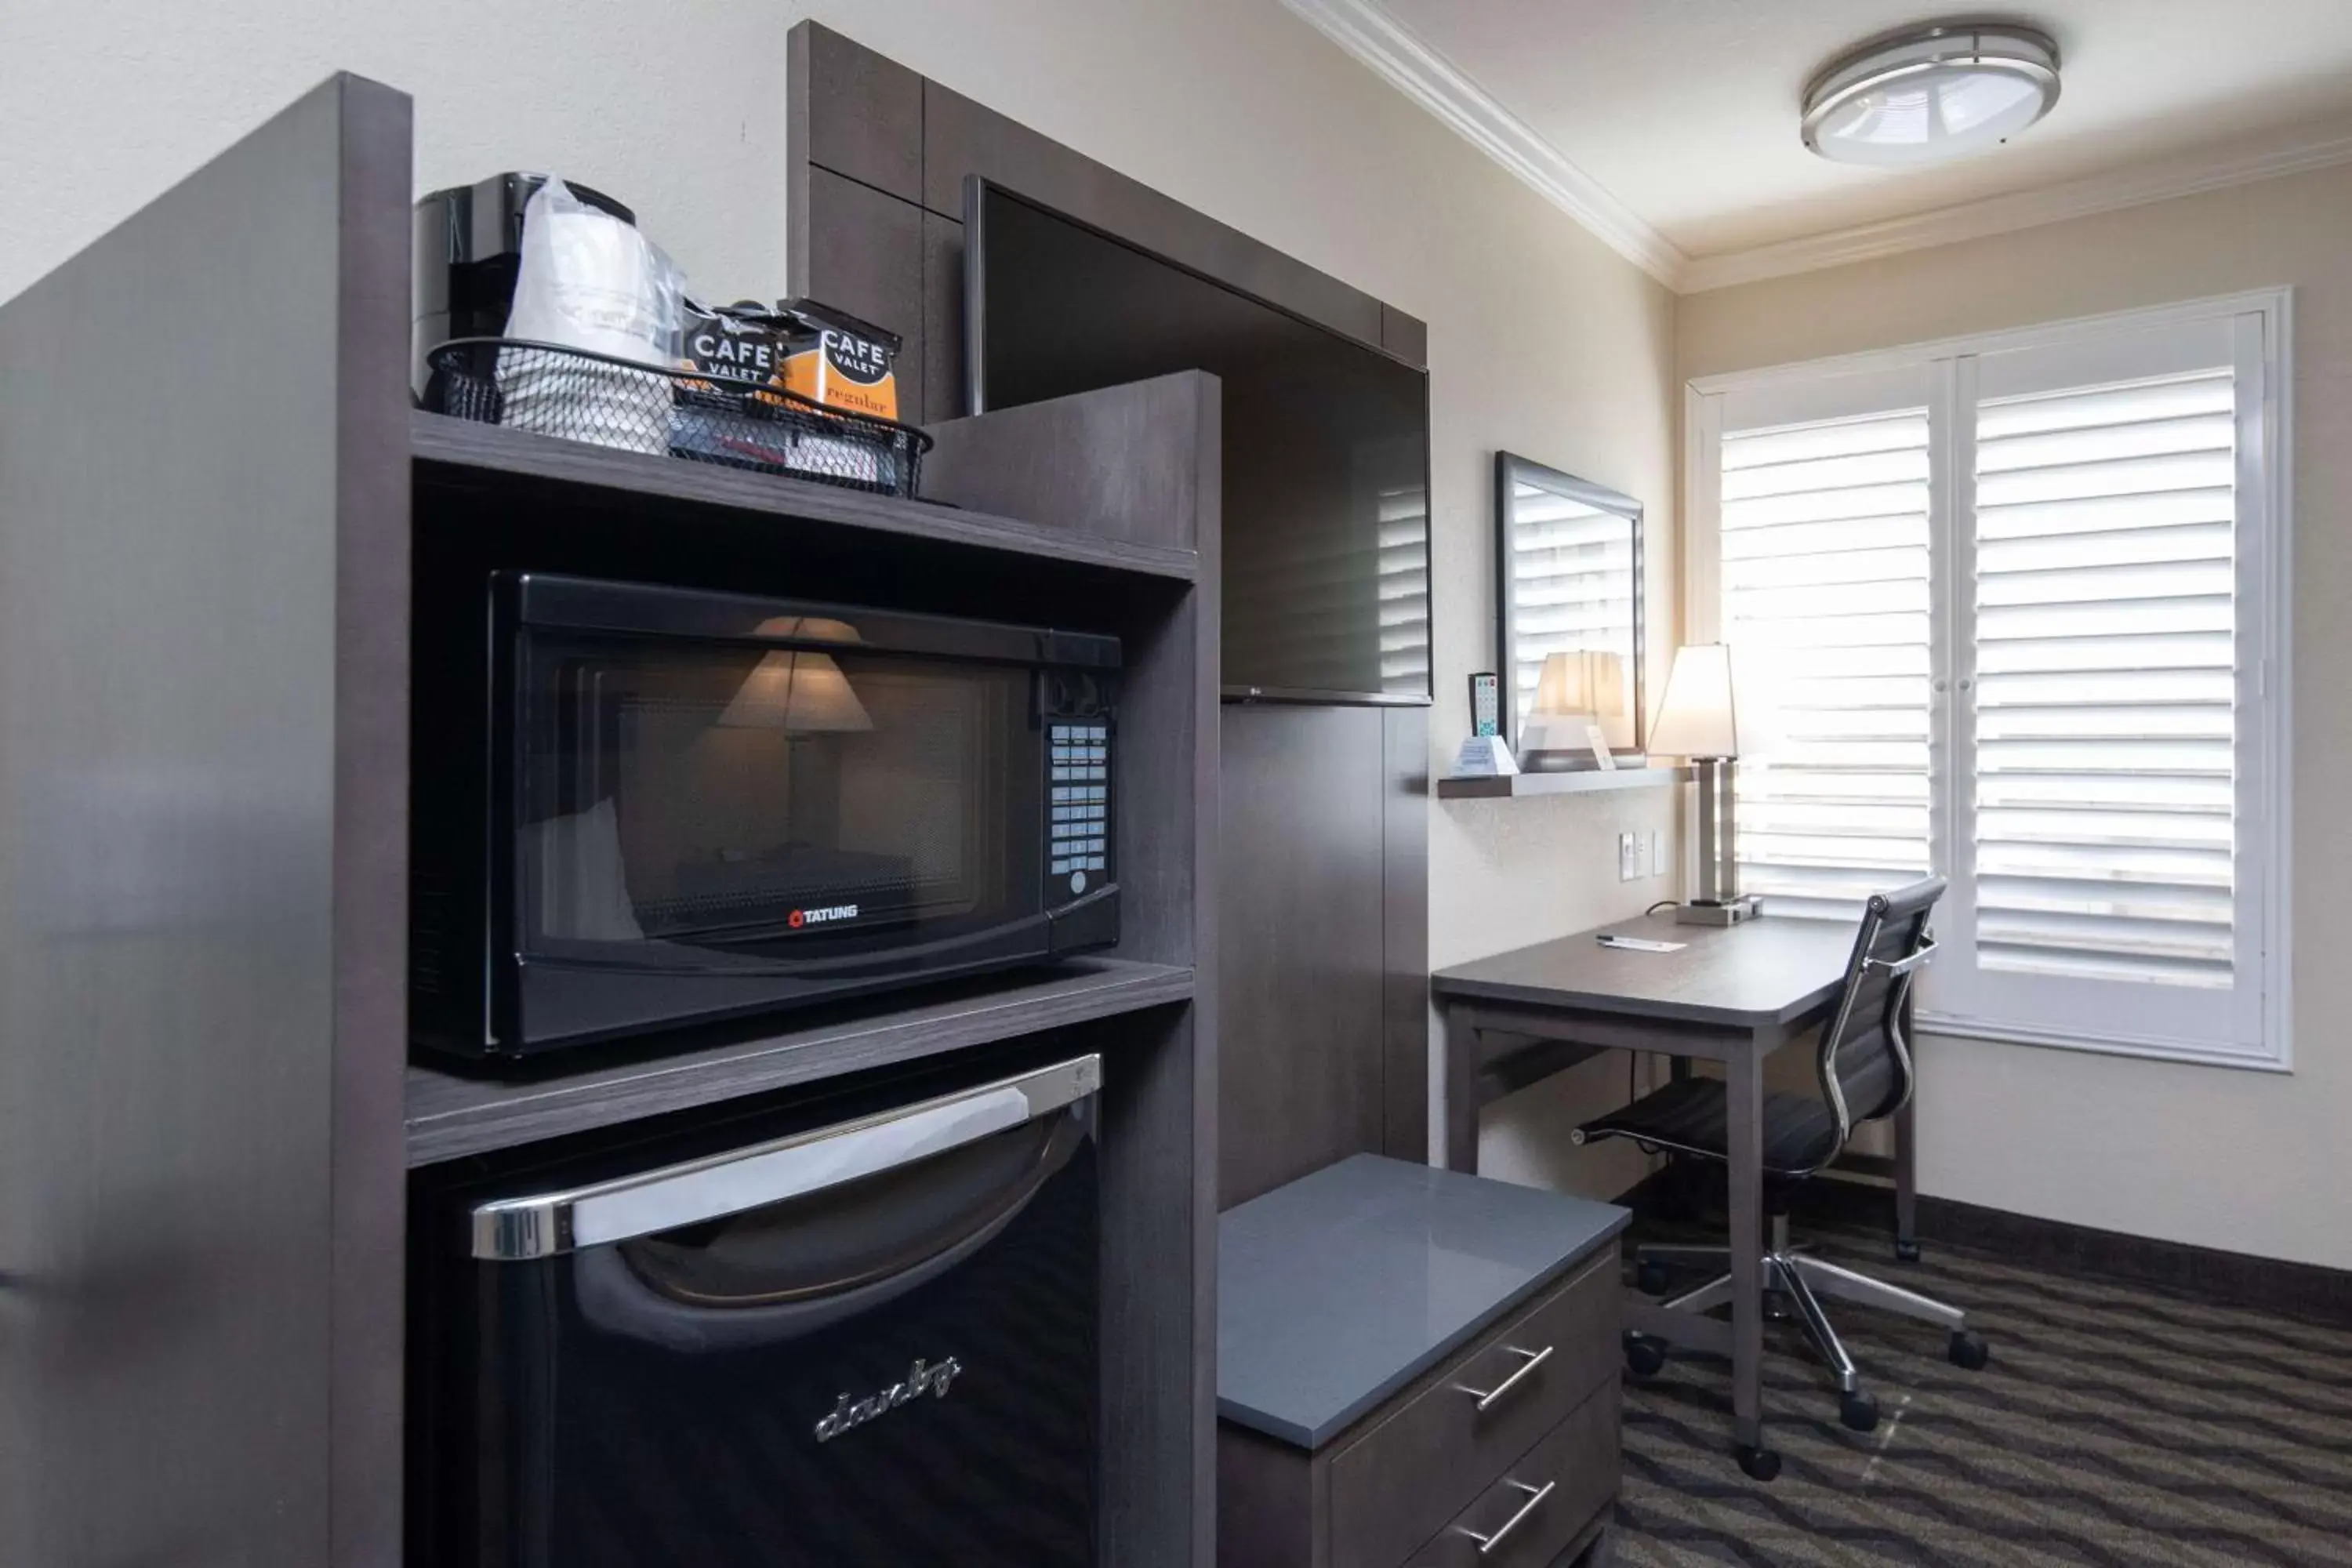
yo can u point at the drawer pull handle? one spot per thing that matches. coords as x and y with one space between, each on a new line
1535 1501
1486 1397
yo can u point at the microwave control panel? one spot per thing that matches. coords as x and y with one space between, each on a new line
1077 853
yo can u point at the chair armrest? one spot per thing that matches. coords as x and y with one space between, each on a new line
1917 959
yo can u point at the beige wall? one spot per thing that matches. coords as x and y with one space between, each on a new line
1541 340
2244 1160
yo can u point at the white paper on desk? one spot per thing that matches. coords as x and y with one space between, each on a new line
1643 944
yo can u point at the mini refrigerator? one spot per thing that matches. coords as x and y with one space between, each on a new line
860 1333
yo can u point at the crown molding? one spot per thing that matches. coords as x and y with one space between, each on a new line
1401 59
1406 62
2180 176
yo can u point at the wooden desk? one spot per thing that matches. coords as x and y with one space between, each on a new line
1731 994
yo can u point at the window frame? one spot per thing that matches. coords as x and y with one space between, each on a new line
2263 354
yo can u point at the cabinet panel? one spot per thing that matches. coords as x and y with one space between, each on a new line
1545 1499
863 253
1303 943
1402 1478
203 863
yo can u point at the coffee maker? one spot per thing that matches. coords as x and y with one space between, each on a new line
468 252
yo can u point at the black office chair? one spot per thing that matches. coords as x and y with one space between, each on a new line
1865 1074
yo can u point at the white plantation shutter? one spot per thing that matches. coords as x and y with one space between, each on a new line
1404 588
2021 604
2105 523
1826 591
1571 586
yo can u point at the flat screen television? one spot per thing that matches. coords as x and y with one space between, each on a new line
1326 582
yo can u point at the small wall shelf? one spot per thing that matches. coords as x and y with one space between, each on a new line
1590 783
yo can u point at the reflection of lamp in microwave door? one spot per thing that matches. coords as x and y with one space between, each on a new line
799 690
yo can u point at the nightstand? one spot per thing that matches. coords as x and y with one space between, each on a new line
1416 1369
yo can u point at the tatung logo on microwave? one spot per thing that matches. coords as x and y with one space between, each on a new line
825 916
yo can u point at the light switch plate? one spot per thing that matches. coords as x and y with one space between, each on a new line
1657 853
1629 857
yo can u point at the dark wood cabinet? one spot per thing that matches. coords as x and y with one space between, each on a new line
1429 1467
1325 892
207 1118
1507 1436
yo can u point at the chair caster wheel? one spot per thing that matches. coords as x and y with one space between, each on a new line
1969 1351
1760 1464
1646 1356
1858 1410
1906 1252
1650 1279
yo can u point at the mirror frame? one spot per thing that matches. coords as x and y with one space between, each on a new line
1511 472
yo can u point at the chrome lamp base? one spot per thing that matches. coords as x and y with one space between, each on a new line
1730 912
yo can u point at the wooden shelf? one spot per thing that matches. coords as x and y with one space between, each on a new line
451 1116
1595 782
504 455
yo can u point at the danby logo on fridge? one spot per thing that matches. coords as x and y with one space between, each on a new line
921 1378
826 916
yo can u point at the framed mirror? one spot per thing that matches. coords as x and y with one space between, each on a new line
1568 582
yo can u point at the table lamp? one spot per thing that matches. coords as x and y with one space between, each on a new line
1574 690
1700 718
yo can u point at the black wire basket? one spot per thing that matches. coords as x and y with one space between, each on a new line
633 407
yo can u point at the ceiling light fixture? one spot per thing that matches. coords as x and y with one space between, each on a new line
1931 94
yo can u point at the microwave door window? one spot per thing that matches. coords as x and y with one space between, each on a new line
767 804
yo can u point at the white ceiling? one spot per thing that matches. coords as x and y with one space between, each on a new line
1685 111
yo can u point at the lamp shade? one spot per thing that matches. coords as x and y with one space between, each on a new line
800 692
1700 715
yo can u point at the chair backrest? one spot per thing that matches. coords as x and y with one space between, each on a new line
1865 1061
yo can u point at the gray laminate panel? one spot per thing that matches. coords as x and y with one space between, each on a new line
1121 463
1201 772
1407 337
492 451
962 137
865 254
1405 934
1426 1455
942 343
1339 1288
1266 1509
450 1116
1157 1283
1302 935
1576 1468
192 1344
854 112
1768 972
1208 988
1160 1129
371 831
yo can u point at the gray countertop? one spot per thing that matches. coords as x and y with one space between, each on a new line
1339 1290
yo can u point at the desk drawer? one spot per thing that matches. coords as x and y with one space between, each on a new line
1403 1480
1544 1502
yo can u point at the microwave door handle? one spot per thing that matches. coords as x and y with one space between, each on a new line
549 1224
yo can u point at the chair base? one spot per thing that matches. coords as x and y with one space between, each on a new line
1802 1279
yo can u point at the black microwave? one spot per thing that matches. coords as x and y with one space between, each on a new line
638 808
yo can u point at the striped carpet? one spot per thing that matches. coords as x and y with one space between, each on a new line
2115 1425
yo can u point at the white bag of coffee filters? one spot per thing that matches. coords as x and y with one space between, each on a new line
590 281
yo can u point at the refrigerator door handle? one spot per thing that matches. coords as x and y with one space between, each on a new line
549 1224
